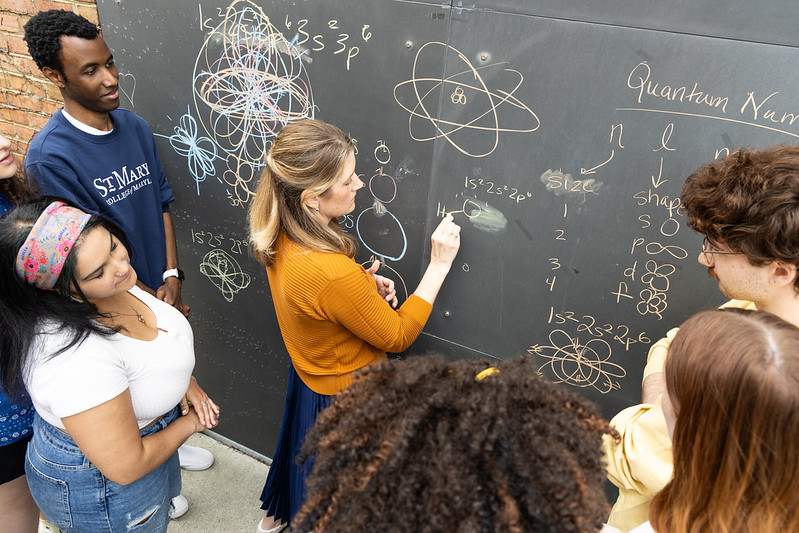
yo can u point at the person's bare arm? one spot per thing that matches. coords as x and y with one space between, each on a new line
170 291
653 386
109 437
144 287
445 243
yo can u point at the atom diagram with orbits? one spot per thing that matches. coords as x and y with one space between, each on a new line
580 365
468 104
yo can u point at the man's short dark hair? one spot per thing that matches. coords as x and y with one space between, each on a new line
43 34
749 201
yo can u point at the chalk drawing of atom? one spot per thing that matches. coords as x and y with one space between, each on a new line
580 365
225 272
468 104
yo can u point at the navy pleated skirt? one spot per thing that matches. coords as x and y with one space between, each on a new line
284 491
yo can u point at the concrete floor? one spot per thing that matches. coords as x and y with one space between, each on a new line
224 498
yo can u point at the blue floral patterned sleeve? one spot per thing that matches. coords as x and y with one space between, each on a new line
16 419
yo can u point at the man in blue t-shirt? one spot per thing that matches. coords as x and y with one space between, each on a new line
104 160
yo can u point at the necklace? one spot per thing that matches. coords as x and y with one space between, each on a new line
138 315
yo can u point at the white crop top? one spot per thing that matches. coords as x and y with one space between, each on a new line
157 372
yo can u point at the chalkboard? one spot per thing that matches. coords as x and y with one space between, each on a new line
557 134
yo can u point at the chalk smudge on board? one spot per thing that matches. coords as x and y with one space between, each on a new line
485 217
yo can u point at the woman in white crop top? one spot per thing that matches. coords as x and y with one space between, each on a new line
108 368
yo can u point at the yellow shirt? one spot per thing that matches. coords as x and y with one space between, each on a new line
331 317
641 464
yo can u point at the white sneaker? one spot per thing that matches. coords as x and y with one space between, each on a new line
194 458
277 529
178 506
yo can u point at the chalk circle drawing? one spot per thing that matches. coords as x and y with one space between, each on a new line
673 225
382 153
249 82
383 176
581 365
382 229
200 152
383 264
225 272
486 108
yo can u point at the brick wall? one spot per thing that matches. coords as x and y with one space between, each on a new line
27 98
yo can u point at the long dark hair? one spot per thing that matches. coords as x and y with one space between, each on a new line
25 308
15 189
19 187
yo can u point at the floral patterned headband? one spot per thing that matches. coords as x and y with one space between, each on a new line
41 258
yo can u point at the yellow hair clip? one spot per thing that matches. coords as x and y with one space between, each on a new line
485 373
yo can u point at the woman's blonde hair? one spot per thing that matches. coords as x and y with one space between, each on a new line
733 377
306 159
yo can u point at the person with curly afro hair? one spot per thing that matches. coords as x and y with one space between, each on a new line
427 445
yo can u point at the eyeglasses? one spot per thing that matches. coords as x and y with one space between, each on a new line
706 249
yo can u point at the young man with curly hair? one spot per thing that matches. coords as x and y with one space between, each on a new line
747 206
104 160
427 445
99 157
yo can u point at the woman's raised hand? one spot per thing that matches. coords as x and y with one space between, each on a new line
446 241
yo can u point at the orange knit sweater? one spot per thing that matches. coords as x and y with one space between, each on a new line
332 319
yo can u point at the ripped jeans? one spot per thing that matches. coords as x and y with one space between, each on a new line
76 497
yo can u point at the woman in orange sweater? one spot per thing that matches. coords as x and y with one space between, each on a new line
335 316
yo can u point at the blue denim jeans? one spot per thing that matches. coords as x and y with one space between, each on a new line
76 497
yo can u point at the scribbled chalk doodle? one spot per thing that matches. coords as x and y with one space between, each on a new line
580 365
225 272
488 110
249 82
